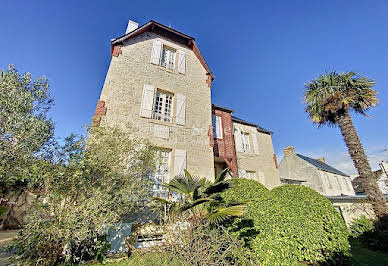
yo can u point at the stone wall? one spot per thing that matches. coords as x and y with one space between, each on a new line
351 210
122 96
262 162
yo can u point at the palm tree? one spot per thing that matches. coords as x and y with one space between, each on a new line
329 99
197 191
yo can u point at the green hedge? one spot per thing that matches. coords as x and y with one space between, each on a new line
289 224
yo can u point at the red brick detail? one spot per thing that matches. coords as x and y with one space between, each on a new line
98 113
225 147
275 160
209 80
211 137
100 109
116 50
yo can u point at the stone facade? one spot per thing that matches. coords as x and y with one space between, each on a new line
314 173
259 159
122 94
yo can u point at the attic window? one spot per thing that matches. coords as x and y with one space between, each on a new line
168 58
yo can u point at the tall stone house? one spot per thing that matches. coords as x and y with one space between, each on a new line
159 83
315 173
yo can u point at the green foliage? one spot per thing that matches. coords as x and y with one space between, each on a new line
3 211
289 224
244 189
85 192
360 226
25 130
331 95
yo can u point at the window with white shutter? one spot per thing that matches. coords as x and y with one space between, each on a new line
180 117
246 147
181 62
147 101
255 144
168 58
217 126
162 106
156 50
238 139
179 162
161 174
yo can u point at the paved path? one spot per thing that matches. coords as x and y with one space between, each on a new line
5 239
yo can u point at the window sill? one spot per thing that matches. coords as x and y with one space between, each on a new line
166 69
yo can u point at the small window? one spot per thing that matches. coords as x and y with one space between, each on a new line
245 142
217 126
162 106
168 58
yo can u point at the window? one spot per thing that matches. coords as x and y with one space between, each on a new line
161 174
245 142
168 58
162 106
217 126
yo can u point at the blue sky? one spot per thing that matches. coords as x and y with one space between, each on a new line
261 52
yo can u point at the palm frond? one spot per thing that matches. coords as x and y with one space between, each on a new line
191 205
221 177
217 188
222 213
160 200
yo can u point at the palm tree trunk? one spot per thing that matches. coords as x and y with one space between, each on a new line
367 177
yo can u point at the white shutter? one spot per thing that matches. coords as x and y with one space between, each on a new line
180 109
156 51
219 127
147 101
254 142
261 178
179 162
162 131
181 62
238 140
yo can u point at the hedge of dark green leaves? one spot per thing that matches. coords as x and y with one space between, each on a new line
290 224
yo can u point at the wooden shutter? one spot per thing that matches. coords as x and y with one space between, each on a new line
156 51
179 162
238 140
181 62
147 101
180 109
254 142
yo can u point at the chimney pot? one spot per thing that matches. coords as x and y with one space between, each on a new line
132 25
289 151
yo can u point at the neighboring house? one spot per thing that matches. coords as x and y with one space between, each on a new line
244 147
159 83
381 176
315 173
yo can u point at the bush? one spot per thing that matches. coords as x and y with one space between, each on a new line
244 189
360 226
290 224
83 194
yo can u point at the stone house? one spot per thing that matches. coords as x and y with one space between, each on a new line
382 180
315 173
160 84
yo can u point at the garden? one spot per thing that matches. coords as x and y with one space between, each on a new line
83 187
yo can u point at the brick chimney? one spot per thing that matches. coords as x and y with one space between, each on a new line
321 159
132 25
289 151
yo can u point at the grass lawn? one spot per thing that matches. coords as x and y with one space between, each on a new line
363 256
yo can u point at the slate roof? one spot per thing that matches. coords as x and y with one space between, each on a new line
321 166
239 120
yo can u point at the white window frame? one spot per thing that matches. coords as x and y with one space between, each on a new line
246 146
162 108
250 175
168 57
217 126
161 175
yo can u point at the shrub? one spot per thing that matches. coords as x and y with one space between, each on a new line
290 224
91 189
360 226
244 189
